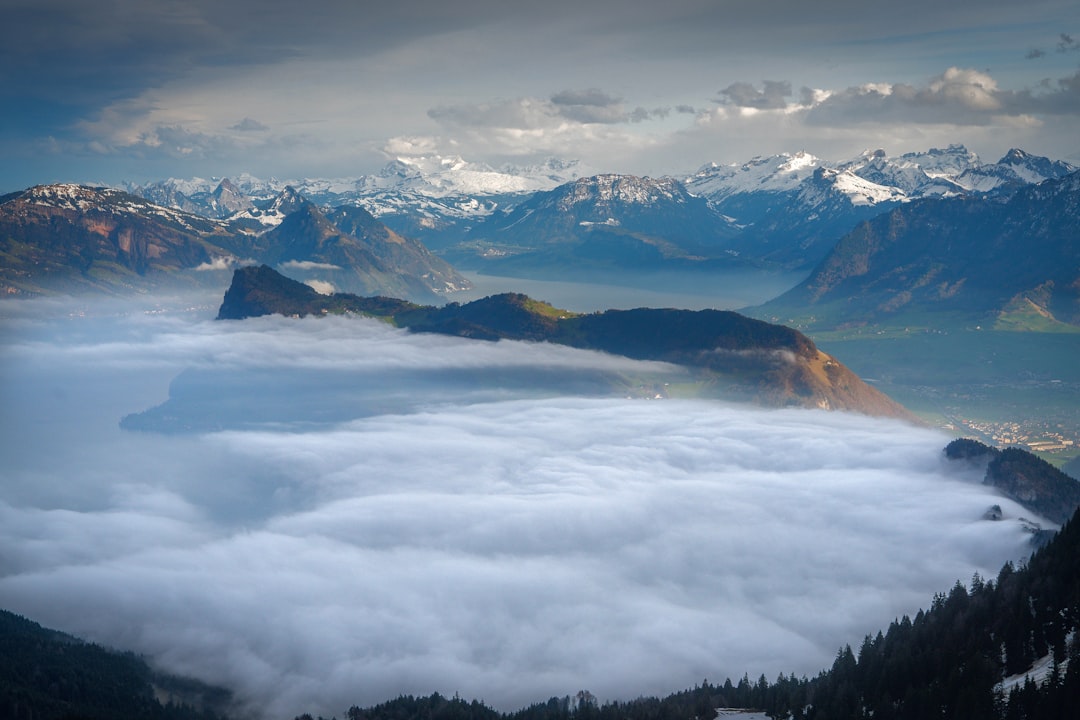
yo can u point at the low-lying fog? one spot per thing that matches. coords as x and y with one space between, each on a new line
506 548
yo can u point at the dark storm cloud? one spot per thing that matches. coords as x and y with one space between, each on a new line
589 106
249 125
588 98
596 106
505 550
772 96
581 107
958 96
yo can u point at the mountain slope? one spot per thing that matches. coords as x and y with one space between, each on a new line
75 237
48 675
973 256
71 238
349 249
739 356
1023 477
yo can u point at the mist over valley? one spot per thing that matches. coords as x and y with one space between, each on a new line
509 548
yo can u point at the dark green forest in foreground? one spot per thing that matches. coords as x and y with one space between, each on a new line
46 675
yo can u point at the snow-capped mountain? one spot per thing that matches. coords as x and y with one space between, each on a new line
267 216
118 205
441 177
774 173
792 207
450 179
983 259
1015 170
954 170
913 174
787 208
423 197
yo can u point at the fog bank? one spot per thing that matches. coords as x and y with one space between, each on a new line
507 550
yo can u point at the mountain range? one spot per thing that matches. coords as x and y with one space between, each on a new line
371 234
881 237
1005 261
72 238
784 210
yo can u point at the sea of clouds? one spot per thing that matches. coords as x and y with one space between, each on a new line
507 548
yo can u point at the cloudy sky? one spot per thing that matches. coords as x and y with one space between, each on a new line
508 550
143 89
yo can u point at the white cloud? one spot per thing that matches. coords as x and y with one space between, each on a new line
504 550
321 286
308 265
218 263
411 146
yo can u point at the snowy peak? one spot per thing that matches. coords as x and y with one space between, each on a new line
1015 169
938 172
69 196
1033 169
774 173
98 201
904 175
948 162
621 189
228 199
855 189
284 204
440 177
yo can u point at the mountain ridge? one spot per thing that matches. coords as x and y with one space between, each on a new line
978 256
72 238
772 364
788 208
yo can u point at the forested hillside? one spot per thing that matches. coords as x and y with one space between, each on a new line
45 674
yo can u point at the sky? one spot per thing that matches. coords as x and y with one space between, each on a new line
139 90
509 548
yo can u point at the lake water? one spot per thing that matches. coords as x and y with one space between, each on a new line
689 292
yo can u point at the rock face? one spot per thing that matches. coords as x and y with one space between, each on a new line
735 355
1023 477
